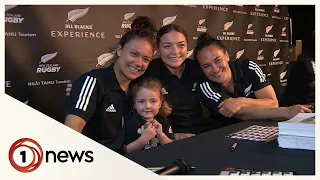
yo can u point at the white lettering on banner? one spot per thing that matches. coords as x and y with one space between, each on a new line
13 20
276 63
268 39
202 29
74 34
229 33
276 17
48 69
48 82
250 40
215 8
239 12
228 38
8 84
283 41
76 26
259 14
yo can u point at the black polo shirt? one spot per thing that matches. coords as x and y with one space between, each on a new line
135 122
298 91
186 116
97 98
248 78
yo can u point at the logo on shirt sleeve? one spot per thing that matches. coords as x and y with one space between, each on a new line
111 109
164 91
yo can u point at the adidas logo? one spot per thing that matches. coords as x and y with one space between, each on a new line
164 91
111 109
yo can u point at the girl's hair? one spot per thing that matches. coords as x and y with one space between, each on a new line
169 28
142 27
205 40
154 85
144 22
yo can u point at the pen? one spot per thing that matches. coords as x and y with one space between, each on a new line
233 147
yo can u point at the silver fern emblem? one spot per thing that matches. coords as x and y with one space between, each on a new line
276 52
227 25
127 16
47 57
169 20
268 29
8 7
76 14
104 58
202 21
189 53
239 54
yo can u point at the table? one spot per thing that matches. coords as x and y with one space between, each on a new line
209 153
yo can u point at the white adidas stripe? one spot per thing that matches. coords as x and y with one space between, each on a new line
247 90
85 93
257 69
207 91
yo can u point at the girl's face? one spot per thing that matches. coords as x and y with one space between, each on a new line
173 49
147 103
214 64
134 58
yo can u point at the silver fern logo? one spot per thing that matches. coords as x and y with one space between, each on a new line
127 16
200 27
283 33
268 29
76 14
275 55
227 25
228 35
45 67
12 18
74 30
189 53
26 102
104 58
239 54
260 56
168 20
126 23
283 79
8 7
249 30
201 21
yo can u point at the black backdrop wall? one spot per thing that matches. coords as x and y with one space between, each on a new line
48 46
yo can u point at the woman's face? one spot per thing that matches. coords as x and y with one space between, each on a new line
214 64
173 49
134 58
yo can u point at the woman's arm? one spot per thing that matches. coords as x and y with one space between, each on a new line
75 122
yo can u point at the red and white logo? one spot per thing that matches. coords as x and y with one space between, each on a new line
25 155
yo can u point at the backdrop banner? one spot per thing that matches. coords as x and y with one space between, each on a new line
47 47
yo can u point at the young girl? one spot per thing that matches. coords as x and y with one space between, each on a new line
148 125
101 99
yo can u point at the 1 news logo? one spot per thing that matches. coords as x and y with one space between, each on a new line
26 155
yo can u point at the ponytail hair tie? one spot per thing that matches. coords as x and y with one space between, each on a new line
136 29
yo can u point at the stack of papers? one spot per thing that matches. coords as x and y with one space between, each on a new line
298 132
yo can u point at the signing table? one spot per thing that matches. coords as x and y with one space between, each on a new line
210 153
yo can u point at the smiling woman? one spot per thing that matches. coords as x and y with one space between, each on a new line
237 89
101 99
